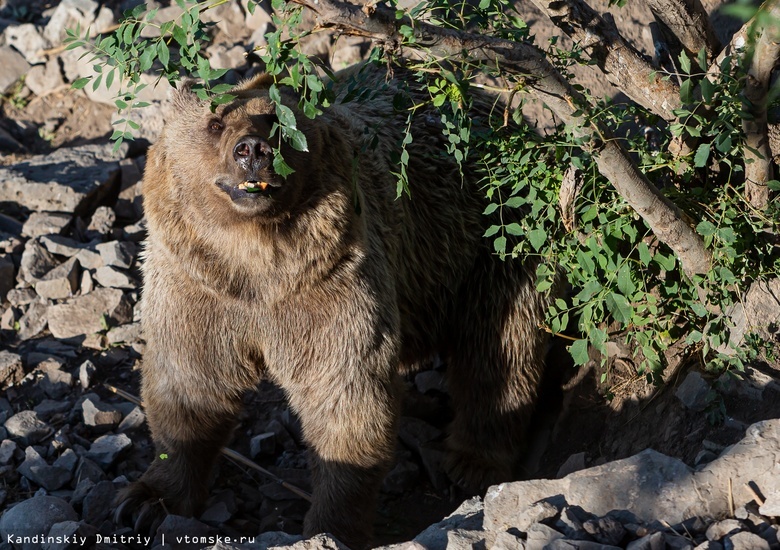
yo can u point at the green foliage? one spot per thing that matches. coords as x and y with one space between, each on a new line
626 284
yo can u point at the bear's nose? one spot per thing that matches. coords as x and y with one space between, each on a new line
252 153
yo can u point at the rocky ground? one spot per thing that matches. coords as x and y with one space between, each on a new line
71 224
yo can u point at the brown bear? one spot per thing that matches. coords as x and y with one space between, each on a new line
327 284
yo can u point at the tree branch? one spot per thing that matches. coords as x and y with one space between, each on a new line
689 23
623 65
763 55
663 217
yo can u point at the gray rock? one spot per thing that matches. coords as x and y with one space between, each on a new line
430 380
661 488
100 415
87 314
72 13
562 544
758 312
61 282
694 392
574 463
676 542
36 262
7 450
102 221
107 449
134 420
26 39
468 517
262 444
60 245
89 259
507 541
38 471
539 536
8 322
49 407
570 524
68 460
14 66
720 529
708 545
66 531
86 372
87 284
178 526
771 506
110 277
34 517
34 320
56 383
129 205
45 223
85 484
126 334
43 78
117 254
11 369
27 428
98 502
20 297
535 513
654 541
71 179
216 514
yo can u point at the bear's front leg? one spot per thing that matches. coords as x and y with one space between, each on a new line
349 421
190 421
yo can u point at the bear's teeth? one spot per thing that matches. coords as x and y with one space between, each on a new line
253 186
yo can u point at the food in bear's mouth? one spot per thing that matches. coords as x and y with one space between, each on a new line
253 186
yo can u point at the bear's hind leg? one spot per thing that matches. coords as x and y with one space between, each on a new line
495 366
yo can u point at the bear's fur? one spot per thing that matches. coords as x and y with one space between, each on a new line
326 284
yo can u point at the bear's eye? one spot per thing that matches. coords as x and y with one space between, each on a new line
215 126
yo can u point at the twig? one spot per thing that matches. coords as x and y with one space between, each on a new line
230 453
59 49
731 499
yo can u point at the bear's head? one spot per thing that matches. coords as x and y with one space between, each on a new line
220 162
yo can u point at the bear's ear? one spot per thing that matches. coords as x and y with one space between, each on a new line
257 82
184 98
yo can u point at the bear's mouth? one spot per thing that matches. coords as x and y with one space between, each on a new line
249 189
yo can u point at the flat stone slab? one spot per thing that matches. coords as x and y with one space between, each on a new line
72 179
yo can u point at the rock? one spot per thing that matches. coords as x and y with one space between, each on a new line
468 517
100 415
7 450
38 471
86 372
222 56
41 79
34 320
562 544
654 541
720 529
71 179
98 503
26 40
415 432
49 407
539 536
34 517
746 540
347 51
661 488
108 448
216 514
535 513
694 392
68 460
262 444
19 297
507 541
110 277
62 246
56 383
72 13
574 463
61 282
771 506
11 369
758 312
7 273
117 254
88 470
401 478
178 526
27 428
45 223
102 222
709 545
430 380
87 314
14 66
36 262
89 259
134 420
69 531
570 524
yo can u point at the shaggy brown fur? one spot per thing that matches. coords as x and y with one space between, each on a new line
326 284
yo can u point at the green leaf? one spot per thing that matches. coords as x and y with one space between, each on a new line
579 352
281 167
492 230
514 229
297 139
537 238
81 82
702 155
706 228
707 90
644 254
147 59
686 91
624 282
499 244
619 307
163 53
685 63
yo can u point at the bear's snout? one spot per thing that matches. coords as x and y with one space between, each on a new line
252 154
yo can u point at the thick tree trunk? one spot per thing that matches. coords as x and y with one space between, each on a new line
688 22
663 217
